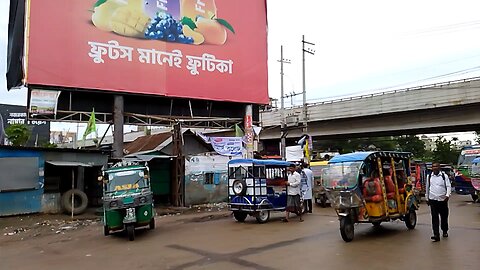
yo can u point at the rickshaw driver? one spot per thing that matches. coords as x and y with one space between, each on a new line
293 195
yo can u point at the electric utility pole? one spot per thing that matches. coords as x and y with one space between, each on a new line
282 105
312 52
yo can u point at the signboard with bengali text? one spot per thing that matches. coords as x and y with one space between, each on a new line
199 49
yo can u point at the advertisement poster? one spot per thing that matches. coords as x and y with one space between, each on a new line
43 102
200 49
13 114
227 146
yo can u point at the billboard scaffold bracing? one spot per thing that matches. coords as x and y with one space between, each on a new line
195 49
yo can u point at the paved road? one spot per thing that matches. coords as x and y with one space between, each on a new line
218 242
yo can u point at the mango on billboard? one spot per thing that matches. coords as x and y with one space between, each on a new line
200 49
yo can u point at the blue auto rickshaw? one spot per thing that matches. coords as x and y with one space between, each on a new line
256 187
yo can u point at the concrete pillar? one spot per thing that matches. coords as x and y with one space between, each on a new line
118 111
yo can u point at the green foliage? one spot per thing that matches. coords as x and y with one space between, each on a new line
362 144
412 144
18 134
445 152
49 145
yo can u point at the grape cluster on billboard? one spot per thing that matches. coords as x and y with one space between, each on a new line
199 49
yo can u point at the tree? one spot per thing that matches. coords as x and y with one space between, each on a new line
361 144
445 152
18 134
413 144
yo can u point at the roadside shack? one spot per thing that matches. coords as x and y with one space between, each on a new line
41 180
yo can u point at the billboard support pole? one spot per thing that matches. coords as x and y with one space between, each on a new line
118 119
249 130
179 166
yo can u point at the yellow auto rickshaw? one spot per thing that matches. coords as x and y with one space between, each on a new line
319 192
370 187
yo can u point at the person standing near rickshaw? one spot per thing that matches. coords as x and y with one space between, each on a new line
293 193
307 187
438 190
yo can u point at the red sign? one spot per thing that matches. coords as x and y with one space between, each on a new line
201 49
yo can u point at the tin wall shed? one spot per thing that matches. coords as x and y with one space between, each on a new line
21 181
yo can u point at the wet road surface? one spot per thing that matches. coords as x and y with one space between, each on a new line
216 241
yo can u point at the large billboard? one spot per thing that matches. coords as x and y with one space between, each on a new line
200 49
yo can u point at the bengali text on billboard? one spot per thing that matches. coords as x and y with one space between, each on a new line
205 49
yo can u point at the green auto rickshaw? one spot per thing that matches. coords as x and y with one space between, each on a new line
127 198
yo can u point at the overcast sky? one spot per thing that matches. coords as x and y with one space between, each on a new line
360 46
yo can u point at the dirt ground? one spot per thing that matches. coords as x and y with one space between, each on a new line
25 227
209 238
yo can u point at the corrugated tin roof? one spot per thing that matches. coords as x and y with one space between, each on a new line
147 143
67 163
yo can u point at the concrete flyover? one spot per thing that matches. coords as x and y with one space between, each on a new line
443 107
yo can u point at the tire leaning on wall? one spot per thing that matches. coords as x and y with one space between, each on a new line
66 201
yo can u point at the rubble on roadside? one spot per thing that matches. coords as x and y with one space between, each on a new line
55 226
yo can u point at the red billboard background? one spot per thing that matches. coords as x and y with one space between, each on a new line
67 48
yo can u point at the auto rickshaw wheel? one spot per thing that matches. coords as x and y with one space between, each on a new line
376 223
240 216
106 231
346 229
323 201
411 219
131 232
151 225
262 216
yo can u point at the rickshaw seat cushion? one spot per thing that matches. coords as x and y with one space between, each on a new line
389 185
374 198
372 191
390 195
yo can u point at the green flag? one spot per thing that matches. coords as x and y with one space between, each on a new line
238 131
91 126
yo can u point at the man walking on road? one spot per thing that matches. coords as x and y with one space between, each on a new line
437 193
293 195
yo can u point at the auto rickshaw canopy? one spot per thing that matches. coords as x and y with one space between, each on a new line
366 156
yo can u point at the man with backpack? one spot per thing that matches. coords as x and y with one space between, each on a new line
437 194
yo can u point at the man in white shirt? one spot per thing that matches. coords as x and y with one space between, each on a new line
437 195
307 186
293 193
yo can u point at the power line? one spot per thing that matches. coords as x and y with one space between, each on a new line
446 28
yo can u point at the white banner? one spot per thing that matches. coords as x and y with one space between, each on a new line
43 102
227 146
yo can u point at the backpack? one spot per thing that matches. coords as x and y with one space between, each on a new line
443 177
